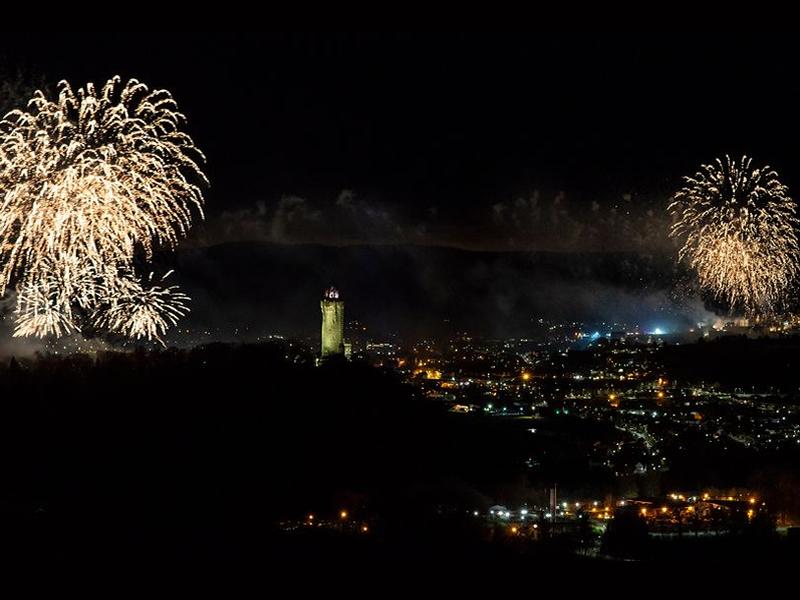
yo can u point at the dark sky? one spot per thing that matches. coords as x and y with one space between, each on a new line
544 141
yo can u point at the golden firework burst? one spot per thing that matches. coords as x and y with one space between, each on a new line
739 232
90 183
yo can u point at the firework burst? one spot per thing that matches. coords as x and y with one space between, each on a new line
137 311
91 184
738 226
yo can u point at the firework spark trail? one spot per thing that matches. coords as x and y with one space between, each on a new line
738 227
143 312
90 183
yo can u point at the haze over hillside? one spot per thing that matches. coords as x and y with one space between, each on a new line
414 290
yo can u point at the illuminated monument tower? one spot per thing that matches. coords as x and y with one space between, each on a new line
332 324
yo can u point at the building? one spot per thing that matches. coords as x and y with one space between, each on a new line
332 324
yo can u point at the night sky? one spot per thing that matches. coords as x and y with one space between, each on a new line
549 142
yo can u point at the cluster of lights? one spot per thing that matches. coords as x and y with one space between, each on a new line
344 515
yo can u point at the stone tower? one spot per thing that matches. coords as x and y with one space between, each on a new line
332 324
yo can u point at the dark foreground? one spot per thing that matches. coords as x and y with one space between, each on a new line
186 457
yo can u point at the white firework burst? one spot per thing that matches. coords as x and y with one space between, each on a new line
89 183
137 312
738 226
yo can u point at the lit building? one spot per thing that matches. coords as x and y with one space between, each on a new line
332 324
